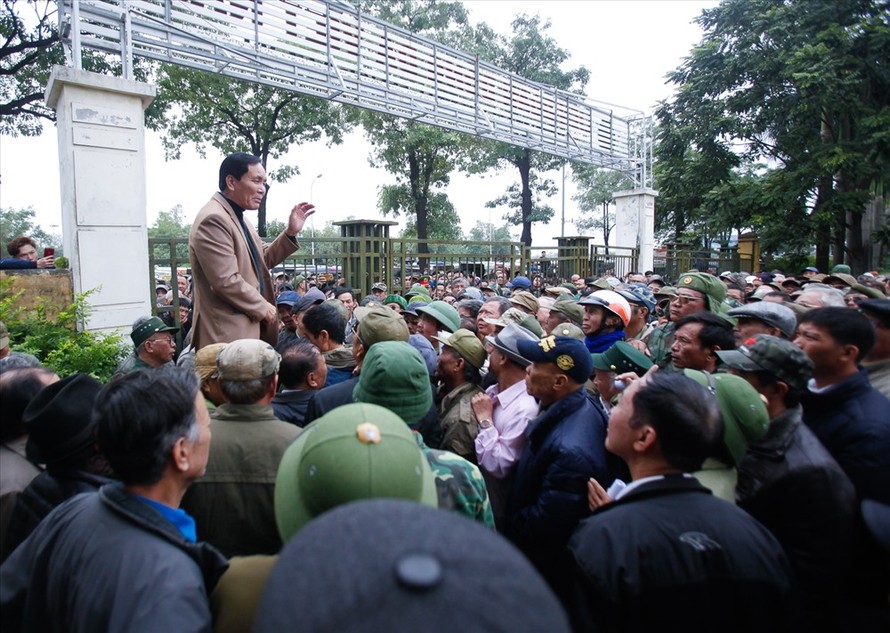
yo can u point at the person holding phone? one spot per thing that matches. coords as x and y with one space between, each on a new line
23 253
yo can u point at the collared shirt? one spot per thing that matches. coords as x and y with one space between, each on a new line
499 447
180 519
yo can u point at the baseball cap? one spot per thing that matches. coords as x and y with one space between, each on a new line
392 565
745 418
520 281
380 324
639 293
570 308
356 451
568 354
621 358
287 298
144 330
247 359
779 357
525 299
379 287
773 314
313 297
467 345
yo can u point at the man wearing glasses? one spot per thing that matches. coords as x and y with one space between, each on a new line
154 345
696 292
232 289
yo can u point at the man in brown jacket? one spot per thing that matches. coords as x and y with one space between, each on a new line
233 294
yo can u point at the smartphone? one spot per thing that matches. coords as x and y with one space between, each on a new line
49 252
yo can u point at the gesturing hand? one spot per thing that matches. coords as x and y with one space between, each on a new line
298 216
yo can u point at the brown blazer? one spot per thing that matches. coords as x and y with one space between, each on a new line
227 302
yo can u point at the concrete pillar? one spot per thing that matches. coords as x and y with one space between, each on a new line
102 171
635 223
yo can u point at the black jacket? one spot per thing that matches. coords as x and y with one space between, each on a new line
565 446
291 406
108 562
852 420
669 556
792 485
43 494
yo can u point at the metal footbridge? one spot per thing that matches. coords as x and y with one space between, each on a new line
330 50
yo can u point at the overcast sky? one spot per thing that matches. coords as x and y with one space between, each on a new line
628 46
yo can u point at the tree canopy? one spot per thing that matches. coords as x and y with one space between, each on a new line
781 119
16 222
229 115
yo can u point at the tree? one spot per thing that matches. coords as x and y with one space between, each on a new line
532 54
16 222
231 115
171 224
421 157
801 86
596 189
488 233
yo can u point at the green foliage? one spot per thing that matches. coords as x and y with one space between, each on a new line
171 224
16 222
230 115
595 195
800 85
57 343
488 233
532 54
29 48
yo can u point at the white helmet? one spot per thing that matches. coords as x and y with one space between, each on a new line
611 301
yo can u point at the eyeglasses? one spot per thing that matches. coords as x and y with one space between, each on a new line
685 299
162 339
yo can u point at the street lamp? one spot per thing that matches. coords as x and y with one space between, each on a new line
312 221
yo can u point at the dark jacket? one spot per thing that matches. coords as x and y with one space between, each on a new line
43 494
565 446
852 420
291 406
669 556
108 562
792 485
329 398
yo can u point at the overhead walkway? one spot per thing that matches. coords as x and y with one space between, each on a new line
330 50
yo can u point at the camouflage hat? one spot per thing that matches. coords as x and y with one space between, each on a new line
639 294
783 359
570 308
773 314
247 359
380 324
467 345
709 285
621 358
745 418
379 287
357 451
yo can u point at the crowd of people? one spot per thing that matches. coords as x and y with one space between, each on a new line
711 454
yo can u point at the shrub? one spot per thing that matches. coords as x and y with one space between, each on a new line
58 343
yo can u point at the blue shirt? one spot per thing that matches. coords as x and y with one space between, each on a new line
179 518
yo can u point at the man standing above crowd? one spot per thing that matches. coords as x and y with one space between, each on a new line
233 293
125 559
